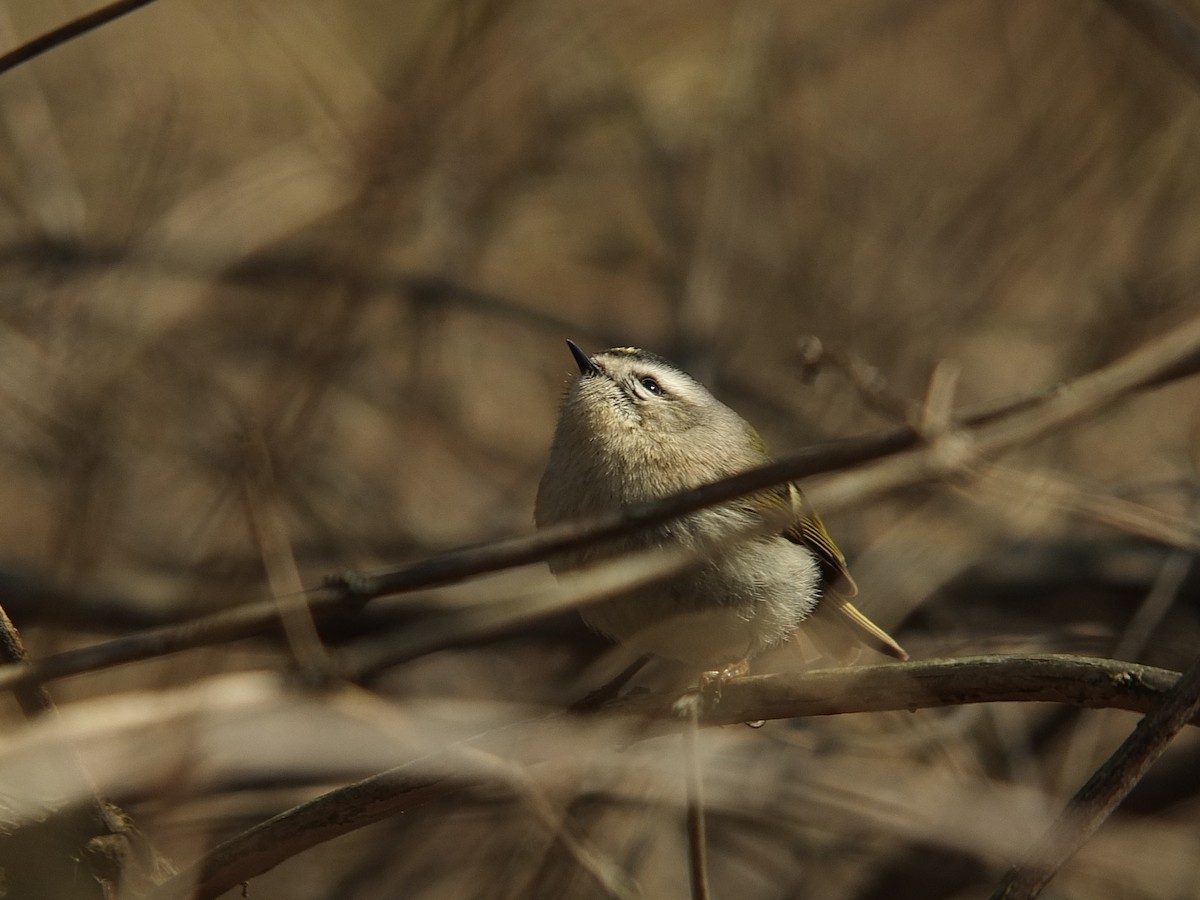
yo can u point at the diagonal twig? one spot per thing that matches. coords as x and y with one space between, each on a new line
1103 792
68 31
1171 356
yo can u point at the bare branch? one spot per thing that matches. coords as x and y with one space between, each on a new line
1108 786
259 493
696 828
926 684
1173 355
1082 681
56 37
1056 490
290 833
1177 352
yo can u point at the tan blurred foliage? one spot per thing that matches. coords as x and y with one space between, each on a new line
327 253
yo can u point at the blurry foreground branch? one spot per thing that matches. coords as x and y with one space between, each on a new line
898 463
1082 681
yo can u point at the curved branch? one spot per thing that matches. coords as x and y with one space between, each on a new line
266 845
1081 681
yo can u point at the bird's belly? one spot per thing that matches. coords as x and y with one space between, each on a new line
733 608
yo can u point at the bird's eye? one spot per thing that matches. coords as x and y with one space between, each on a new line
651 385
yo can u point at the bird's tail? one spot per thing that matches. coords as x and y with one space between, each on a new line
827 626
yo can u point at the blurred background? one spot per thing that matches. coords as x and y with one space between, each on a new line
320 259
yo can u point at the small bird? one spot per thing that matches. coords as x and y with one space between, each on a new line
632 428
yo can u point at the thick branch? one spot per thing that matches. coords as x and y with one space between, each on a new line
1082 681
926 684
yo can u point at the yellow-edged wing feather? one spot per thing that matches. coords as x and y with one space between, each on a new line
809 531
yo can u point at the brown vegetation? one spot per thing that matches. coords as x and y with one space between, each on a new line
285 288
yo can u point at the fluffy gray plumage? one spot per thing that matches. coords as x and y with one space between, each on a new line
632 428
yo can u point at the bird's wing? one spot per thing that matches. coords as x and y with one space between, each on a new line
809 531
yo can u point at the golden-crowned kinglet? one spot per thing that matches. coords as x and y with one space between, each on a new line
632 428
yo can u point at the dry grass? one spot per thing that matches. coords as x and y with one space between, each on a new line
284 290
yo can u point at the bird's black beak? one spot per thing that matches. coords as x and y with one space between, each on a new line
586 366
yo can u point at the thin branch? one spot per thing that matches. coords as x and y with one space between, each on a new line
590 858
526 602
937 411
1056 491
281 269
696 830
290 833
870 384
56 37
1154 606
371 800
609 691
1103 792
261 501
1082 681
957 452
1174 355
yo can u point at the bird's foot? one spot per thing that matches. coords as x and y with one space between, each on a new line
713 682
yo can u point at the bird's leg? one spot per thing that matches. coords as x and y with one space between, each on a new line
713 681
